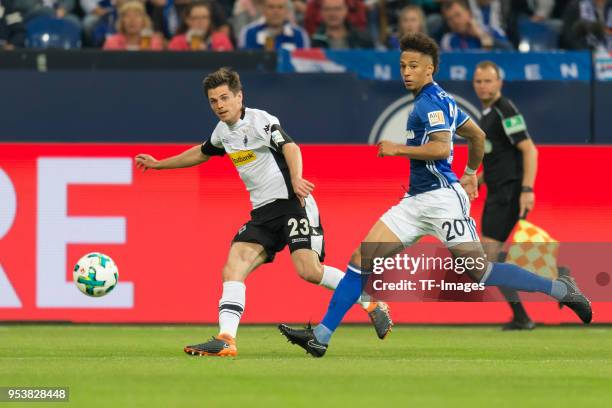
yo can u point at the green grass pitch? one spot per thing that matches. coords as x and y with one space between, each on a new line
417 366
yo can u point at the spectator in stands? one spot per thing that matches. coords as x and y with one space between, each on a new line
102 22
497 15
52 8
587 24
134 30
93 11
491 13
197 31
274 31
434 23
336 32
12 30
466 33
411 20
246 12
167 16
356 15
536 10
299 11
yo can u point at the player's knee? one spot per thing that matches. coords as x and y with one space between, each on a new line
229 273
309 271
235 270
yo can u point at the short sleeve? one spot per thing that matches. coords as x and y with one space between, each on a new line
279 138
462 118
513 122
213 146
433 116
273 133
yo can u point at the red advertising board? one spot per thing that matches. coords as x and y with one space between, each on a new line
169 231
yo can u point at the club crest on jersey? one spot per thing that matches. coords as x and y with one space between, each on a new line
242 157
435 118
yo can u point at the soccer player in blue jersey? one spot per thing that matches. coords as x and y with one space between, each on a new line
437 203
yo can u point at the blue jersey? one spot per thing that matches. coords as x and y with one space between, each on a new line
434 111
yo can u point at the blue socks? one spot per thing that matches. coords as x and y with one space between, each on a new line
515 277
500 274
346 294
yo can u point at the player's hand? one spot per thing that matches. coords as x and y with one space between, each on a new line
387 148
302 188
526 202
146 161
469 182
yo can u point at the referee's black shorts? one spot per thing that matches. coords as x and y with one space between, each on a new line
501 210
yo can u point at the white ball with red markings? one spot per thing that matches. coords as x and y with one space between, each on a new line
95 274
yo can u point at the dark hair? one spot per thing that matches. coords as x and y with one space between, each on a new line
448 4
183 28
421 43
223 76
489 64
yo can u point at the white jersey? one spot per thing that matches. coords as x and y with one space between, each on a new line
254 145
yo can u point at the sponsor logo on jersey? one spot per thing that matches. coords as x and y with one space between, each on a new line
435 118
267 128
514 124
410 134
242 157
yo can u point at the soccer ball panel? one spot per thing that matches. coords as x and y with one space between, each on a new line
95 274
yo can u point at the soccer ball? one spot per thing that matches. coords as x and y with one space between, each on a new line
95 274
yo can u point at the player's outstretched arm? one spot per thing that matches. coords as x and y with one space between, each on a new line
438 148
190 157
293 157
475 137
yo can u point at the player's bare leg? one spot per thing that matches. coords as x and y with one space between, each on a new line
381 242
564 289
520 318
307 265
309 268
243 258
315 341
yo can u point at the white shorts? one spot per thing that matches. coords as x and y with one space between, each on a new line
443 213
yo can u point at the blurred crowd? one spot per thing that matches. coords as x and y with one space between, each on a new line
223 25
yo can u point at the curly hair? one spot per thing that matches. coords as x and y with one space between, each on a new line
420 42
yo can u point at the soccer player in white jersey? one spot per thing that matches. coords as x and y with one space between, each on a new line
284 211
437 202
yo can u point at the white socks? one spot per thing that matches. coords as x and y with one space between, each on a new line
231 307
332 277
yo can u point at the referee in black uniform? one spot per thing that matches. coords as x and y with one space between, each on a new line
510 165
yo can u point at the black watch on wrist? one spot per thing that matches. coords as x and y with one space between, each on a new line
526 189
